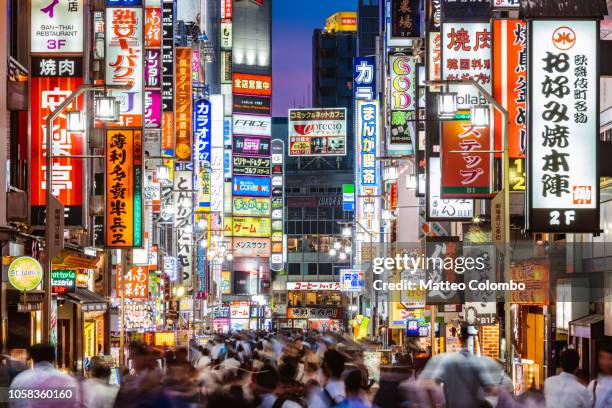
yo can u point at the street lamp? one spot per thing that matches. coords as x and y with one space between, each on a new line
163 173
337 245
332 252
342 256
204 243
346 232
75 121
106 108
447 104
229 257
480 116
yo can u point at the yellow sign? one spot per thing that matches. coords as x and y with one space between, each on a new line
226 282
251 206
246 227
25 273
341 21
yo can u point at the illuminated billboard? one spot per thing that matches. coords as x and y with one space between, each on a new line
317 132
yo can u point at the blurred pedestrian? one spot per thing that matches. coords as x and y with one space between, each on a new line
600 389
461 375
355 387
564 390
332 392
97 392
43 377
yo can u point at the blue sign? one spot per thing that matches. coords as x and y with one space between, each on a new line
364 78
251 186
201 129
123 3
227 163
351 280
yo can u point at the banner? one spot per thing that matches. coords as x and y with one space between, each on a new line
46 94
563 183
439 209
135 283
183 113
251 166
152 68
56 26
246 227
251 105
251 186
124 180
364 78
251 247
317 132
402 69
251 145
251 206
466 174
250 84
124 61
183 223
368 205
405 18
252 125
466 53
510 83
153 27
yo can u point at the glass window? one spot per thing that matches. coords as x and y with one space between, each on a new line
325 269
311 298
326 243
294 244
294 299
310 243
312 269
295 269
325 213
311 214
306 229
294 213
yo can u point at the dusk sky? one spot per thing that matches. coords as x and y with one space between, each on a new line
292 25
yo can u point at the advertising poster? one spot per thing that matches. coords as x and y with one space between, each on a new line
251 145
47 91
125 61
246 227
56 26
466 174
563 184
251 186
317 132
124 181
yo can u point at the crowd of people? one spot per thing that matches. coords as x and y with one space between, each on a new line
294 370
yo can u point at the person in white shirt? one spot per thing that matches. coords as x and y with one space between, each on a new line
332 392
97 392
204 361
42 378
564 390
600 389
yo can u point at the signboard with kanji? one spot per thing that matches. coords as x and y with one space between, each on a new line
563 183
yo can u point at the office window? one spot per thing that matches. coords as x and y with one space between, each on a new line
312 269
294 213
325 269
294 244
311 243
295 269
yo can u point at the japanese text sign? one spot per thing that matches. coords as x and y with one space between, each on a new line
466 174
124 180
466 54
56 26
403 82
46 94
364 78
124 61
563 119
183 104
250 84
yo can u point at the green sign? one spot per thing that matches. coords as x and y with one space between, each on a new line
63 281
25 273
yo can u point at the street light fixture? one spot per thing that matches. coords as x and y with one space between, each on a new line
342 256
163 173
480 116
204 243
447 104
332 252
346 232
337 245
75 121
229 257
106 108
202 223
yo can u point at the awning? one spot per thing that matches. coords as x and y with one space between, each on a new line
588 327
89 301
73 259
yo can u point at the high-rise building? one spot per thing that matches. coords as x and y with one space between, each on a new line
367 27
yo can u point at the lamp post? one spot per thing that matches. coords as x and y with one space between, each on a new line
479 113
112 106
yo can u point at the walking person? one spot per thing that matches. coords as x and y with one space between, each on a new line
564 390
